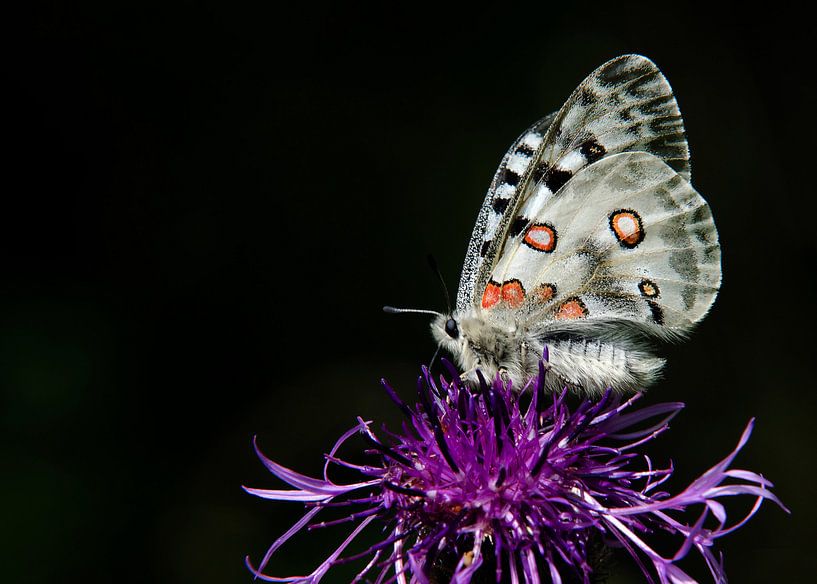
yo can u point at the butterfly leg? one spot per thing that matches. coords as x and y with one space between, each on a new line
465 374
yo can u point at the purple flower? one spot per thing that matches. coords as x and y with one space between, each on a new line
488 476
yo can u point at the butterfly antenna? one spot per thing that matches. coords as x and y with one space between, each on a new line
393 310
435 268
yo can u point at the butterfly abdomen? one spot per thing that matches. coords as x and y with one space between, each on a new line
590 366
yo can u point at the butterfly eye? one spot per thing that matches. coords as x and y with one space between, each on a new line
451 328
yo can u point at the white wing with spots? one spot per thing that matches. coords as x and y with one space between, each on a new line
628 238
624 105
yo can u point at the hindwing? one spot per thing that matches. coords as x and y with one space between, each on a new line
627 238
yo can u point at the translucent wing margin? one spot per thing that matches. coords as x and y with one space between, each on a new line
625 105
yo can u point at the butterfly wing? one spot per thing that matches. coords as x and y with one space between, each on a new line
627 239
498 208
625 105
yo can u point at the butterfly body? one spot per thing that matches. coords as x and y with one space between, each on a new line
591 242
582 359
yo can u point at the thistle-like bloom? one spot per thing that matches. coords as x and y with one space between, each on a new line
519 482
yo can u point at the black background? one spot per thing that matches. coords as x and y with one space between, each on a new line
206 207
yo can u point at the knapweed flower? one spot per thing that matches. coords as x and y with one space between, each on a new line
488 478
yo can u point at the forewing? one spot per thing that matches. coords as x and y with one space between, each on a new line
628 238
498 208
624 105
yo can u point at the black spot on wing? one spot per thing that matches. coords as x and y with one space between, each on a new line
648 288
518 226
539 172
592 150
524 150
486 245
555 178
508 177
499 205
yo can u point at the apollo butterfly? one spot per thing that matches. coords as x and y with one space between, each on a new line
591 242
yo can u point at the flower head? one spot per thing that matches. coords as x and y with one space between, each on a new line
481 476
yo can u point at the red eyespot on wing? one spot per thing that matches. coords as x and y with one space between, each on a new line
572 309
627 227
648 288
545 293
541 237
491 295
513 293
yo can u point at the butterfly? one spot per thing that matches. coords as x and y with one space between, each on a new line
591 242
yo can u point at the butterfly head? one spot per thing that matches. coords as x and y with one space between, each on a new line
476 343
446 331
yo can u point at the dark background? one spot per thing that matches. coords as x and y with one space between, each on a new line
207 206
